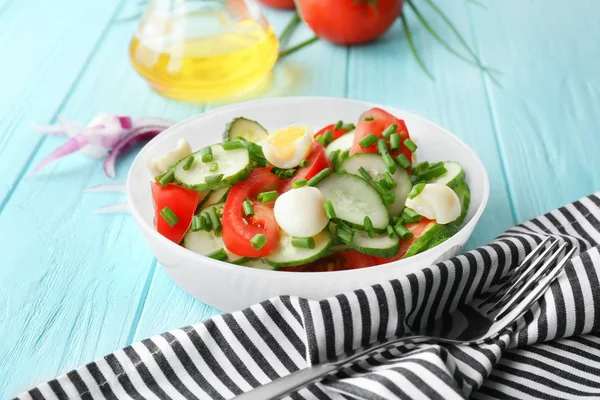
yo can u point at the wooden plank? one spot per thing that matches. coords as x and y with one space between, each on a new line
45 46
74 283
546 114
298 75
386 72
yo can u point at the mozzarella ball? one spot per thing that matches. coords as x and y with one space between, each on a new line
299 212
437 201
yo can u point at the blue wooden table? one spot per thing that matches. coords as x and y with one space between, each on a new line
75 286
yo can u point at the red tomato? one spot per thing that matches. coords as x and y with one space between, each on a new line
349 21
236 234
381 120
344 260
336 132
283 4
181 201
418 229
317 161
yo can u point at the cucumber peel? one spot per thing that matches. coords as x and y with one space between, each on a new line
245 128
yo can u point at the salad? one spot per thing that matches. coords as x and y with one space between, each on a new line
348 196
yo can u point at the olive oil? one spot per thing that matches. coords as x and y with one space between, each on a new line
233 59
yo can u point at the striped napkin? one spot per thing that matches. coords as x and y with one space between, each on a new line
552 352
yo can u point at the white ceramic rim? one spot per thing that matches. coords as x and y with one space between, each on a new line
261 272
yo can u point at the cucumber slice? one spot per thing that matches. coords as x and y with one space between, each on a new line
342 143
287 255
258 264
353 199
432 237
233 164
217 196
204 243
374 165
380 245
250 130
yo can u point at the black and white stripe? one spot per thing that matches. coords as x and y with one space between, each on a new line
553 352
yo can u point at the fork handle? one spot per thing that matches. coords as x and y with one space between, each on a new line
315 373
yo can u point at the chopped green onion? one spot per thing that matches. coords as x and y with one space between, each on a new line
214 218
218 231
334 157
403 161
320 139
416 190
206 154
314 181
383 185
410 145
328 136
396 220
368 118
300 183
283 173
213 178
213 167
390 180
169 216
368 140
364 173
343 157
266 197
218 255
389 197
245 221
395 141
247 208
344 235
303 163
410 216
368 226
382 146
433 172
403 232
206 221
197 223
188 163
391 232
389 163
303 243
329 211
157 178
342 171
421 167
258 241
234 145
338 125
348 127
167 178
389 130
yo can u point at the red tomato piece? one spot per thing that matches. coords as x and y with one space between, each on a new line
381 120
341 261
317 161
418 229
282 4
352 22
236 233
336 132
181 201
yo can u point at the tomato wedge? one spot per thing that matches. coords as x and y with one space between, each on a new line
380 121
181 201
317 161
337 133
236 233
341 261
418 229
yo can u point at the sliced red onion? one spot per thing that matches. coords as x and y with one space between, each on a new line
118 208
108 187
137 135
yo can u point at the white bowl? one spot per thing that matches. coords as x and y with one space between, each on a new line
229 287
